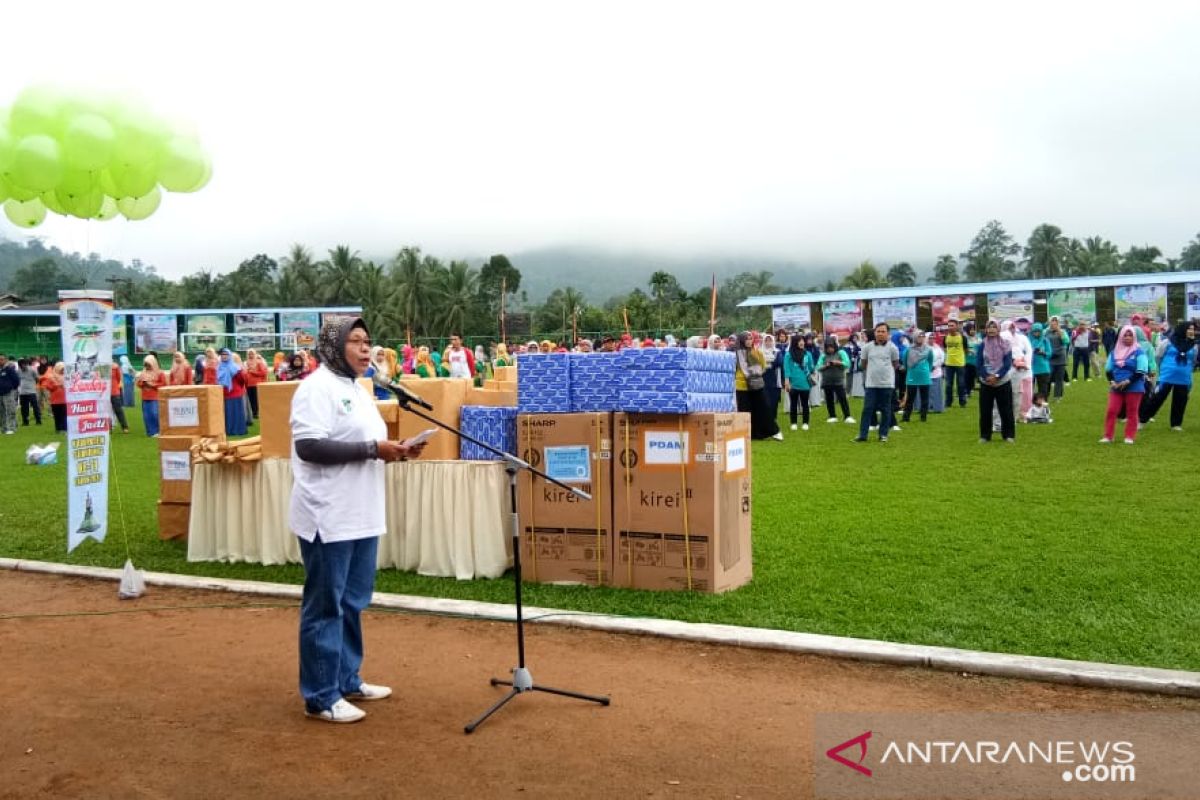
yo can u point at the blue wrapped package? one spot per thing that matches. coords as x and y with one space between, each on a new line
496 425
595 381
650 402
677 358
544 383
678 380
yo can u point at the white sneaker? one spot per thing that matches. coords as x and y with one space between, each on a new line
1140 426
1105 440
778 436
369 691
896 427
1176 427
832 419
1128 441
803 427
850 421
342 711
794 427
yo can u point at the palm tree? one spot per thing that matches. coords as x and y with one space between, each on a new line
415 290
760 283
340 273
902 274
373 291
573 305
1095 256
305 276
1046 253
1142 259
946 269
864 276
457 292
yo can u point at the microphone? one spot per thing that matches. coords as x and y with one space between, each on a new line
405 396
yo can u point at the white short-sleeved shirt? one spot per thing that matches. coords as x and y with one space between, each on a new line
342 501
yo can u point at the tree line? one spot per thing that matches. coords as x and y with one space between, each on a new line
416 296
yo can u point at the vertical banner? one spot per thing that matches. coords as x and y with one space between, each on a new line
1192 301
791 318
841 318
952 306
1015 306
1072 306
120 336
1150 301
87 328
899 313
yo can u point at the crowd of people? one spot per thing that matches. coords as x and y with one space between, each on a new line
1015 371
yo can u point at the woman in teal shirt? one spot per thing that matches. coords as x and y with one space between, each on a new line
918 362
797 377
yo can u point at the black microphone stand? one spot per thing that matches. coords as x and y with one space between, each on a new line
522 680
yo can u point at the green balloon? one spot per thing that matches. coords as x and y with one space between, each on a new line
140 136
108 184
133 179
87 142
84 206
25 215
50 201
18 193
35 111
182 164
37 163
137 208
78 181
108 209
204 179
7 145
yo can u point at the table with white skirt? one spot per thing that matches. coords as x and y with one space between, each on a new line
444 518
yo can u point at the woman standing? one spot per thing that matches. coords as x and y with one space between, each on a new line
256 373
994 363
340 446
749 385
211 366
1041 359
55 384
425 366
1126 370
972 367
773 375
1022 374
293 370
919 369
502 357
115 391
937 401
833 367
232 378
149 381
181 371
278 365
1081 352
379 373
127 376
797 378
1175 370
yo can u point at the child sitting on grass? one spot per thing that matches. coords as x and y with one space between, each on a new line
1039 412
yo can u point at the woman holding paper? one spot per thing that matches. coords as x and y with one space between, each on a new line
339 448
149 381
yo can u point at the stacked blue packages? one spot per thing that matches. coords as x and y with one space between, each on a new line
495 425
675 380
544 383
595 381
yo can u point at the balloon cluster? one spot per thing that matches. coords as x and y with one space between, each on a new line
91 158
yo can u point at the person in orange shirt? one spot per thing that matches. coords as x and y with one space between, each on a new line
278 366
116 384
256 373
181 371
149 381
54 383
211 362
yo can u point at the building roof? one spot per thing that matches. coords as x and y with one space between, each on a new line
995 287
51 309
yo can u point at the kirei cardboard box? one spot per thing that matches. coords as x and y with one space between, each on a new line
175 468
173 519
508 374
682 501
192 410
491 397
565 539
447 396
275 417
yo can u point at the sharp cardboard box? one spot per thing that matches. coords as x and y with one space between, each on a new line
565 539
507 374
274 416
173 520
175 468
490 397
662 476
192 410
447 396
390 411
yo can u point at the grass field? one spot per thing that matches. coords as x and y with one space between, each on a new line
1054 546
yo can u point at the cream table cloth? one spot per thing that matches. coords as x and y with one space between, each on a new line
444 518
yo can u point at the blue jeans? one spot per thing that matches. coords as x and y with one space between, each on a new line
150 416
338 580
876 400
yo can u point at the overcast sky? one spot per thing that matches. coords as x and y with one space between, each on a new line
783 130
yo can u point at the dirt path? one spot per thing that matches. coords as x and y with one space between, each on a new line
203 703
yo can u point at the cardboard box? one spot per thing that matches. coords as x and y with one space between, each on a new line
192 410
507 374
274 417
175 468
447 396
659 473
173 520
490 397
565 539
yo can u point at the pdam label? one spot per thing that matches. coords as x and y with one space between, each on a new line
666 448
735 454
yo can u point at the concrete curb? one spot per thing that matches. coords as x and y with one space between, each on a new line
1055 670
